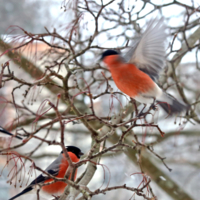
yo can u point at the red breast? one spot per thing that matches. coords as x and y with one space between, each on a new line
128 78
58 187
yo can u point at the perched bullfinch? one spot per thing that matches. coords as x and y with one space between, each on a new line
8 133
57 168
135 72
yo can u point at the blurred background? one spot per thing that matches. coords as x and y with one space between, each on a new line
50 23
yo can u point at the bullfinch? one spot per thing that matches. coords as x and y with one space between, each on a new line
135 73
58 169
8 133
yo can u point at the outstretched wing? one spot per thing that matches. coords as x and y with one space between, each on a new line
148 52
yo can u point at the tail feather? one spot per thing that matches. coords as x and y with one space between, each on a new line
28 189
171 106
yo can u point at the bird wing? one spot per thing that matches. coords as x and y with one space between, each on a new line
148 52
52 169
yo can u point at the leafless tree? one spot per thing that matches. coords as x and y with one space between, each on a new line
66 96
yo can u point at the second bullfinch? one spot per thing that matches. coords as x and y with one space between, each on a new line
135 72
58 169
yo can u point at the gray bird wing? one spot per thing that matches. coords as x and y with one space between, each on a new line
148 52
52 169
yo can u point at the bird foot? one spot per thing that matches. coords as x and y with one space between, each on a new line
56 197
153 107
141 114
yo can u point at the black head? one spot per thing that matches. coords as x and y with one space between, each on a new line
74 150
108 53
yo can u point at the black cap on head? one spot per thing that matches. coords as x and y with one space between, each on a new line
74 150
108 53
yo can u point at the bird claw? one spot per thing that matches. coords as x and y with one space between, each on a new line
141 114
153 107
56 197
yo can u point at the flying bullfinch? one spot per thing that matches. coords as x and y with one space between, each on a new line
135 72
57 168
8 133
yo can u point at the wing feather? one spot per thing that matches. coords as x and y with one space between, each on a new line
148 52
52 169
